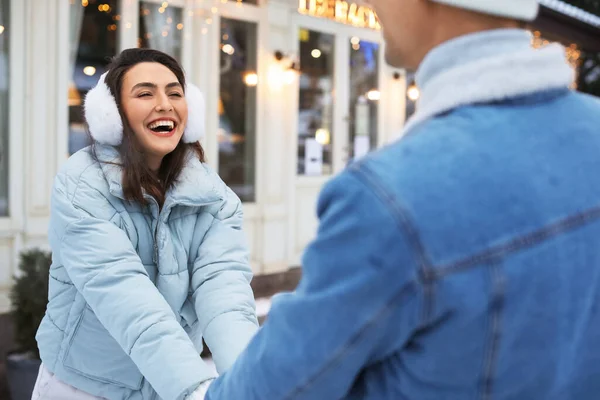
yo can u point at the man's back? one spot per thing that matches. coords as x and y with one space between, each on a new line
461 262
502 204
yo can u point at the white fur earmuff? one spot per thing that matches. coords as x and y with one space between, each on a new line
105 124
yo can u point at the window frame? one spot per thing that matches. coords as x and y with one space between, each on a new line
13 223
341 80
257 14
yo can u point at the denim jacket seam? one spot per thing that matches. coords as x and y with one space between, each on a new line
411 285
495 329
490 254
426 273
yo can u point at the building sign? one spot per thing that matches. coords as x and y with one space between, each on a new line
341 11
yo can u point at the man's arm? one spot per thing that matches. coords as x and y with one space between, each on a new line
355 304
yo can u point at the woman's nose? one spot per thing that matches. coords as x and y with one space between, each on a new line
164 104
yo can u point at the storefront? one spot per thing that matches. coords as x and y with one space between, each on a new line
294 91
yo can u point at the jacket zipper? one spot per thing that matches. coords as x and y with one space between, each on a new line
153 200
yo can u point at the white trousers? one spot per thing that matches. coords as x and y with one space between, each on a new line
47 387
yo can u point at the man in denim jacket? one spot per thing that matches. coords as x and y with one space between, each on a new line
462 261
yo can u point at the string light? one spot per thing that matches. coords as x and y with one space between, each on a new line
573 53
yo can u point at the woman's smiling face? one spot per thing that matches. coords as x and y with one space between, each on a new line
154 104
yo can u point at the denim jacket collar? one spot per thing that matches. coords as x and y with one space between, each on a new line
485 67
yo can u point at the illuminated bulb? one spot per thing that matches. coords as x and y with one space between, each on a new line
322 136
316 53
84 3
228 49
374 95
413 93
89 70
251 79
1 29
355 40
180 26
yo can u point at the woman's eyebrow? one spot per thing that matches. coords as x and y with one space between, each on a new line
151 85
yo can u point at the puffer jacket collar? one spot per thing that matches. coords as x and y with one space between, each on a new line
195 186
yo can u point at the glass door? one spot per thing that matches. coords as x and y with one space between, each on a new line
364 96
315 102
338 95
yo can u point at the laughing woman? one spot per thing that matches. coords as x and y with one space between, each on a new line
148 252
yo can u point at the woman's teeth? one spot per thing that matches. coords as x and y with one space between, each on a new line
162 126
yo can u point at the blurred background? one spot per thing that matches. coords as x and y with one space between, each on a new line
295 90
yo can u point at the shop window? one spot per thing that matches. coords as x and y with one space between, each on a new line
364 97
315 114
4 103
93 33
161 28
237 107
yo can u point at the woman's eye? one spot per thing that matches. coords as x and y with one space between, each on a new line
176 94
145 94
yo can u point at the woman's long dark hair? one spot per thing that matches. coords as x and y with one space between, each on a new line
137 176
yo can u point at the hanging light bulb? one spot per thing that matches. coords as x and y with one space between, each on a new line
413 92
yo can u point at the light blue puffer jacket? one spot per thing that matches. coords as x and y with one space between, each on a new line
133 289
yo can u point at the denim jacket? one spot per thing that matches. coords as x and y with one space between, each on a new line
461 261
